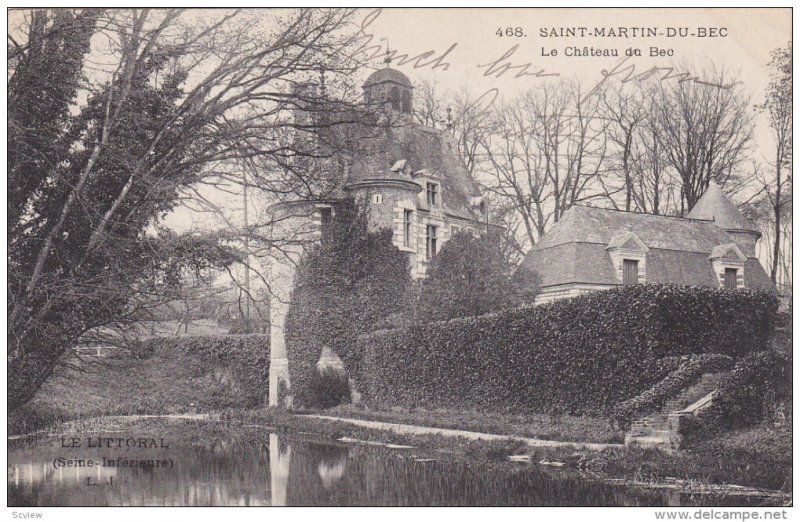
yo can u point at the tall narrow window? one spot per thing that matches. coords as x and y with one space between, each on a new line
630 272
406 101
433 194
394 98
325 216
730 278
430 244
408 223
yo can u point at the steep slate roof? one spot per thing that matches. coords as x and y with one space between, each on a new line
575 249
423 148
599 225
715 206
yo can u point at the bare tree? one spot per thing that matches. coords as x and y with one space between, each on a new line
625 112
778 189
169 97
429 105
705 132
545 153
655 188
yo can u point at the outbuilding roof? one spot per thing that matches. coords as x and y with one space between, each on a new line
575 249
714 205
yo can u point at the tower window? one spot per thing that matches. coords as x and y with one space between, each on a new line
394 98
377 198
406 101
325 215
432 191
430 243
408 223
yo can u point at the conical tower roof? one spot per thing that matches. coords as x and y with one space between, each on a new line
716 206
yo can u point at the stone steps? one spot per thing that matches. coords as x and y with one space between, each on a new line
662 428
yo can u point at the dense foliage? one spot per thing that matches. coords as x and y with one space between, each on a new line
755 389
688 372
581 355
345 285
701 319
171 375
470 276
329 388
236 366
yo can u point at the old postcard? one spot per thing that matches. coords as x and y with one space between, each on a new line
400 257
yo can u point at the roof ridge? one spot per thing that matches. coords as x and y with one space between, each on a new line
643 213
537 247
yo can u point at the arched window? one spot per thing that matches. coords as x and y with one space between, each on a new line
394 98
406 101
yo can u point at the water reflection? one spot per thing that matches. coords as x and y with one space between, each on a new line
230 465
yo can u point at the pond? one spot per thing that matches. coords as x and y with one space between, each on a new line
171 462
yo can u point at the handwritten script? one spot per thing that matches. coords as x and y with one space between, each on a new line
362 47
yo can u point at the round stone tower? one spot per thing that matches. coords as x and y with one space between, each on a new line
293 227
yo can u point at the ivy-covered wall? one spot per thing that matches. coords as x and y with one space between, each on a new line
581 355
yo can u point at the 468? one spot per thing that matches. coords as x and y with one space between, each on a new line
516 32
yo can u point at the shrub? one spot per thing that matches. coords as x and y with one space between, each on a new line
581 355
469 277
330 388
757 383
689 371
239 364
701 319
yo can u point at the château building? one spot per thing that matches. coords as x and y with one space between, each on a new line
409 177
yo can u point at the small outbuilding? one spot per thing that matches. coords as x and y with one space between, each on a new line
596 249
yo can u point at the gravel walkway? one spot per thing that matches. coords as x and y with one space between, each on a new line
407 429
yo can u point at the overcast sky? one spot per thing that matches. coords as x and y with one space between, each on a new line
750 36
460 48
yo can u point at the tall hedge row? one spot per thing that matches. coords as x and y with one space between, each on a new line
581 355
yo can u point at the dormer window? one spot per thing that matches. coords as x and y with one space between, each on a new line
731 275
629 258
432 192
630 272
728 262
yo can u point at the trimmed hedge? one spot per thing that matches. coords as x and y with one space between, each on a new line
580 355
690 370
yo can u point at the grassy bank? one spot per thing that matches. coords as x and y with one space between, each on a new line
177 377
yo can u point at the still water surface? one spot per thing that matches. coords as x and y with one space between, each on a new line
225 464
